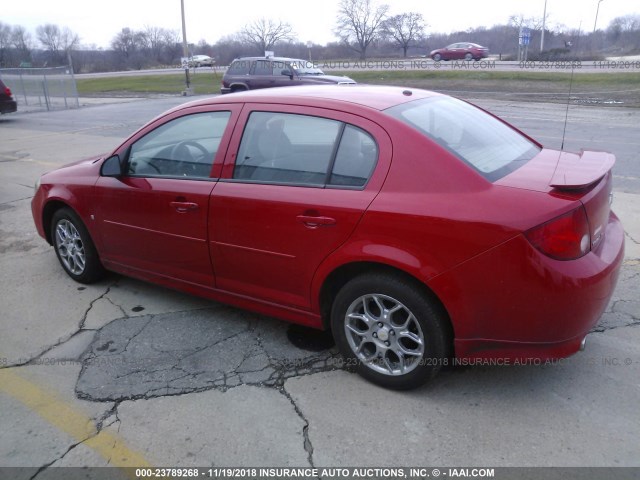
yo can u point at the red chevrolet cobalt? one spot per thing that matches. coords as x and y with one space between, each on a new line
415 226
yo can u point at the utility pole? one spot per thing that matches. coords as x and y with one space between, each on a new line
544 20
596 20
185 52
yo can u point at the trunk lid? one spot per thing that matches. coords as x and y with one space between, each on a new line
584 176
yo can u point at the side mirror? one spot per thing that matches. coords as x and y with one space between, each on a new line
287 72
112 167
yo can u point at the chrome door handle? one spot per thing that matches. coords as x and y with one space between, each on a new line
183 207
312 221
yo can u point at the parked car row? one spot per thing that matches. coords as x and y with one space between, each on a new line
251 73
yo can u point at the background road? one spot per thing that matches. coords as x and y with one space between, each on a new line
124 373
622 64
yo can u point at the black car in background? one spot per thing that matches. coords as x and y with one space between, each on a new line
250 73
7 103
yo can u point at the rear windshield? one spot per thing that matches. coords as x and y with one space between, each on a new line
475 137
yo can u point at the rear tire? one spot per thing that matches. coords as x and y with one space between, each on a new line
468 57
74 248
390 330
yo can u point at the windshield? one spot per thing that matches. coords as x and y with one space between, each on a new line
477 138
303 67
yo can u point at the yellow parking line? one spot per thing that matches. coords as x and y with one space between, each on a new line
57 412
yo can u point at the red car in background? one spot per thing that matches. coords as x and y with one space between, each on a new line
460 51
415 226
7 102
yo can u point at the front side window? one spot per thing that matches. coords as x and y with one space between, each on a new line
304 150
477 138
183 147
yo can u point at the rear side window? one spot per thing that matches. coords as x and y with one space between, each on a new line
356 157
263 67
240 67
304 150
475 137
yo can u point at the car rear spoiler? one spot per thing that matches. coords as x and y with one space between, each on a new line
575 172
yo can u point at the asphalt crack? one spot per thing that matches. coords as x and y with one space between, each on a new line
63 340
631 238
91 304
169 354
99 426
307 445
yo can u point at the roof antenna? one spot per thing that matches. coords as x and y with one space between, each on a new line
566 113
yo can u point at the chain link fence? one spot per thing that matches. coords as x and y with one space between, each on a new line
42 88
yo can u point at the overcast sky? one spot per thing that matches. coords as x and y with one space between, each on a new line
97 22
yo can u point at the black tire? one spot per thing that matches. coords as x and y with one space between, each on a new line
74 248
364 343
468 56
437 57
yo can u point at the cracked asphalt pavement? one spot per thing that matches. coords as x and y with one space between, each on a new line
124 373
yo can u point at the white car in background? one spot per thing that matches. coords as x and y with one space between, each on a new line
201 61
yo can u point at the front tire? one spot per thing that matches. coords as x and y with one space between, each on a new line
74 248
468 57
392 332
437 57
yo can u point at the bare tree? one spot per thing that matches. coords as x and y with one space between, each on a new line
519 21
127 42
21 41
405 29
625 30
5 43
264 34
157 41
359 23
128 46
59 42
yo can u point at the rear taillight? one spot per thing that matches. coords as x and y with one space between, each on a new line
563 238
7 91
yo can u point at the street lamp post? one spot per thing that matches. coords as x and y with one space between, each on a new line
544 20
596 20
185 53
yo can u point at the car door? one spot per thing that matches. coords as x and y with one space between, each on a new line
280 80
261 75
153 219
455 51
296 181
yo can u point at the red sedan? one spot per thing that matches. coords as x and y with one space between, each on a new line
460 51
417 227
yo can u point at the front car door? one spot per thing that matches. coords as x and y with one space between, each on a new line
454 51
153 220
296 181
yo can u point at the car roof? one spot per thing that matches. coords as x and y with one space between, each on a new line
371 96
275 59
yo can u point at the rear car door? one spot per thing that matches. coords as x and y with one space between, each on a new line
261 75
154 218
296 181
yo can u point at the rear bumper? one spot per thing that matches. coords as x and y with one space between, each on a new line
534 307
8 106
225 90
